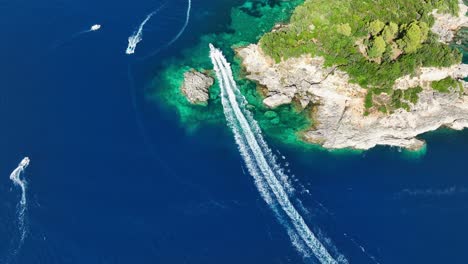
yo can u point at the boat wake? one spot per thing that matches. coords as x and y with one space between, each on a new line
363 249
269 178
93 28
176 37
15 176
181 31
137 36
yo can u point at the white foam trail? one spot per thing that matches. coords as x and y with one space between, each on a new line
261 163
134 39
94 27
15 176
363 250
187 18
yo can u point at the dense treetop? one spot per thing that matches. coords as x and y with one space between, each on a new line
375 41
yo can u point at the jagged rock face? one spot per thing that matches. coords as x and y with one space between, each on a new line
426 75
446 25
195 87
342 125
287 80
339 120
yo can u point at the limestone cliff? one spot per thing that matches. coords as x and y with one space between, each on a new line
340 117
339 120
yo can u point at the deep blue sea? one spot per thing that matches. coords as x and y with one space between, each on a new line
116 179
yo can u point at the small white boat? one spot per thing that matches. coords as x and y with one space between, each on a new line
95 27
24 162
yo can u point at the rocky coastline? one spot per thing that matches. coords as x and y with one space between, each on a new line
340 118
339 115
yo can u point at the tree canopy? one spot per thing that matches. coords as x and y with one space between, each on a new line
374 41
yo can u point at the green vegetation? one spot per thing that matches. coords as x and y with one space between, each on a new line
375 41
397 102
344 29
412 94
383 109
445 6
368 101
446 85
375 27
414 35
377 48
390 32
389 100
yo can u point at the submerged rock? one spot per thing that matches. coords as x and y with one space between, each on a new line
270 114
196 87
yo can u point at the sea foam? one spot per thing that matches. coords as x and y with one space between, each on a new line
269 178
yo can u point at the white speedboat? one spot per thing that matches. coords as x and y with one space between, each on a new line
24 162
95 27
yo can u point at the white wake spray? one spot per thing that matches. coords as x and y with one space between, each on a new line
270 180
134 39
137 36
15 176
176 37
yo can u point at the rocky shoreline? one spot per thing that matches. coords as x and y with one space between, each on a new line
339 115
340 118
446 25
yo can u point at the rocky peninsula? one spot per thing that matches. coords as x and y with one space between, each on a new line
341 119
348 111
338 105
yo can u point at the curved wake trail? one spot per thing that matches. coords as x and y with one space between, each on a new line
15 176
134 39
268 176
179 34
187 18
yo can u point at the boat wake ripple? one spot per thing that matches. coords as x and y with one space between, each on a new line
269 178
93 28
15 176
181 31
176 37
137 36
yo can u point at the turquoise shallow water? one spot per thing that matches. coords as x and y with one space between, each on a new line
382 205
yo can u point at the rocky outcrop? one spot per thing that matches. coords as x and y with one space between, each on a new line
339 120
426 75
339 114
342 124
196 87
287 80
446 25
